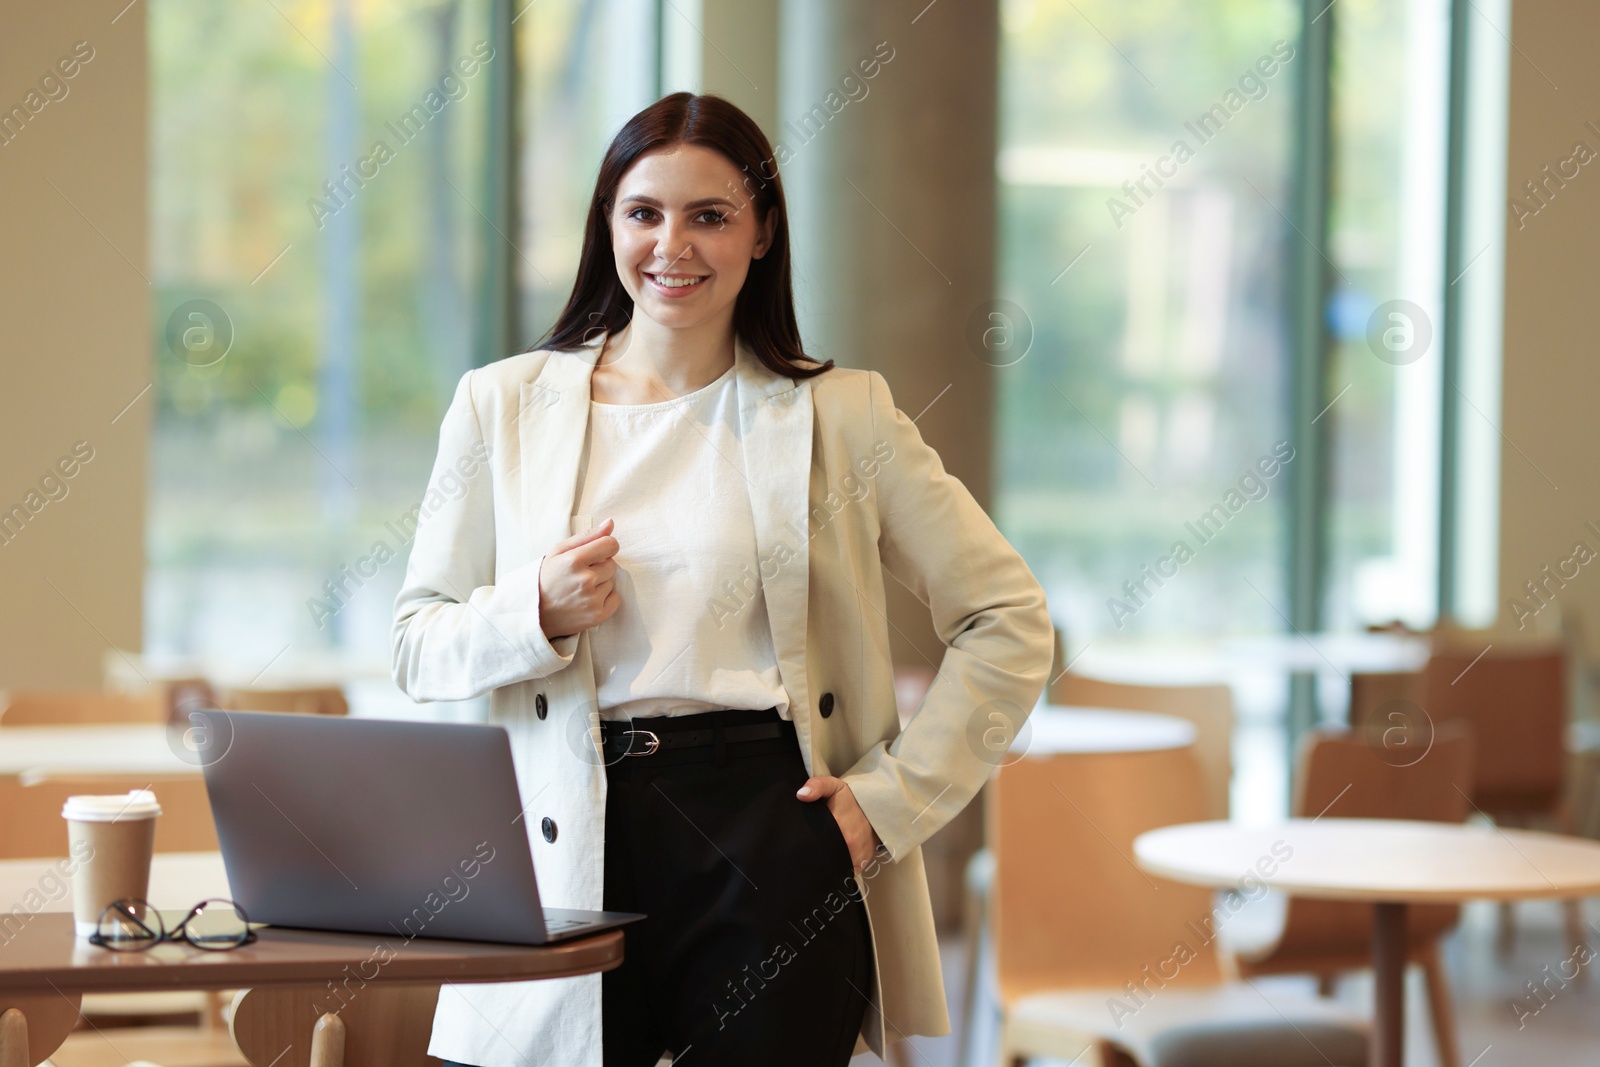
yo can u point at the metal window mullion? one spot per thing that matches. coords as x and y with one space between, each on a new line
495 327
1310 273
1452 309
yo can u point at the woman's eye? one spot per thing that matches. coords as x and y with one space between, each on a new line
711 216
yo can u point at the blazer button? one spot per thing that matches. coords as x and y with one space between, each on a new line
541 706
825 705
548 825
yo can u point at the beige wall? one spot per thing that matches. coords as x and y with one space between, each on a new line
893 203
1550 460
75 304
739 57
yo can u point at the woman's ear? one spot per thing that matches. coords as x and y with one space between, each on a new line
764 234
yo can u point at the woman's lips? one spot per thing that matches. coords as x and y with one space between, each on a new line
675 291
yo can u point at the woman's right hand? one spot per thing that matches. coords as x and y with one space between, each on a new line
575 587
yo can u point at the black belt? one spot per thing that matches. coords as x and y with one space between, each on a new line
645 737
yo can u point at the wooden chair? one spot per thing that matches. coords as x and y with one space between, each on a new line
1513 695
1516 704
78 707
316 700
1376 696
34 828
148 1046
1208 707
373 1026
181 691
1090 951
1583 764
1359 776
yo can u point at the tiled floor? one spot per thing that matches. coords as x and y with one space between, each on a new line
1501 1023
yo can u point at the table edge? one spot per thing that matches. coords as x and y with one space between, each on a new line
589 955
1419 895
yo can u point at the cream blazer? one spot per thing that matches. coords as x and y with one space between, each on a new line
842 488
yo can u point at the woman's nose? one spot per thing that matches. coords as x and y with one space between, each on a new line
673 245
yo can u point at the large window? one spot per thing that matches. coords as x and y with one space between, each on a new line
587 67
323 218
1146 230
1390 82
314 171
1391 91
1144 168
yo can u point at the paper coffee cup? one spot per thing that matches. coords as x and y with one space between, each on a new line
115 836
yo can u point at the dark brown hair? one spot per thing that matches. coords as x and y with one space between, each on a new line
763 313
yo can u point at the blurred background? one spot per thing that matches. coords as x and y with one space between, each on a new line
1260 327
299 223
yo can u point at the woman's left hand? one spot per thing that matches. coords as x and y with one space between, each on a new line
858 832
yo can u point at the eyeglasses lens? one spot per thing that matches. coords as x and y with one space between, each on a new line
214 924
129 925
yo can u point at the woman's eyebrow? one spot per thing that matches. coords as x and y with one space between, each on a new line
690 206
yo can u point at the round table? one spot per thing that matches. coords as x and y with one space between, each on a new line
100 749
1058 728
1342 653
1390 863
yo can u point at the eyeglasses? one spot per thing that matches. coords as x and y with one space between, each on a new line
132 925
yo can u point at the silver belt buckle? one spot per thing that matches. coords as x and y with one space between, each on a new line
655 743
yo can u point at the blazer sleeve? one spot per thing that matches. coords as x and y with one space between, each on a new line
460 630
989 611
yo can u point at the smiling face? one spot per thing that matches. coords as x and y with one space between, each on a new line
683 233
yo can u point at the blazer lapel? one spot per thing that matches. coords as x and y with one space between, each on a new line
775 416
552 420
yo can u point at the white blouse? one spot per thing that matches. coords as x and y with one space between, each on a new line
691 633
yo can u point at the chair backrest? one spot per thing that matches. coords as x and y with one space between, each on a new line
1208 707
1366 775
1347 774
77 707
1377 695
1515 700
33 826
316 700
1069 907
377 1025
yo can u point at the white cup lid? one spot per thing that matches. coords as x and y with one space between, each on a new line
135 804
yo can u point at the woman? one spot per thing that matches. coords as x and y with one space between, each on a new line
659 541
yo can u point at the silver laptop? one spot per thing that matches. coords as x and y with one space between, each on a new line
371 826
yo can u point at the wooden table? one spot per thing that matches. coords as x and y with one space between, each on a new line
1060 728
42 962
1390 863
45 957
1341 653
100 749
